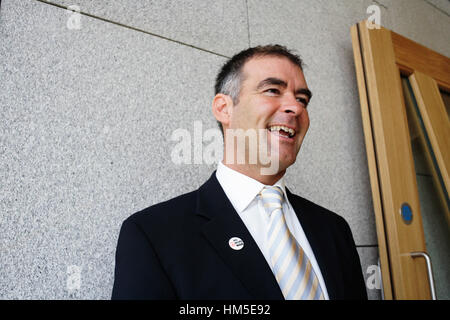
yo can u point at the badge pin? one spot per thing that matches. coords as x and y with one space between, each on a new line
236 243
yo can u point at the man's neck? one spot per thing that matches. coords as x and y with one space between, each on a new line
254 172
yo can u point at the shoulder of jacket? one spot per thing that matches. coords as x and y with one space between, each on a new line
169 210
318 209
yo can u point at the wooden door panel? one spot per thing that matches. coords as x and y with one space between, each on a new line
386 125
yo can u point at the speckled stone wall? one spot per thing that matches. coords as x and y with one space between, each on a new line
89 103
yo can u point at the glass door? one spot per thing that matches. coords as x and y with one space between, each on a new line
433 196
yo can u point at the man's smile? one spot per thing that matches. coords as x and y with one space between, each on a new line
283 131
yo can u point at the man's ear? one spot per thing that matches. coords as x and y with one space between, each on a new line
222 108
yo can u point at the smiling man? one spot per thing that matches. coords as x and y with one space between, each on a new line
273 96
243 234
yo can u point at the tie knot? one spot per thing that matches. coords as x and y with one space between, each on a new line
272 198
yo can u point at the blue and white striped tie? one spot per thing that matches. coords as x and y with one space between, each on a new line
290 265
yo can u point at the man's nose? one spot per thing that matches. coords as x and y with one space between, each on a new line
291 105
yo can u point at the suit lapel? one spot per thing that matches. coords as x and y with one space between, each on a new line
320 241
248 264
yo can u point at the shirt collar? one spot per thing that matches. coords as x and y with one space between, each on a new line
240 189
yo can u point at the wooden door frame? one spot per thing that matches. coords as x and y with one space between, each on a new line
381 57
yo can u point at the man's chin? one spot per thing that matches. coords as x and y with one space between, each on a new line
286 164
285 161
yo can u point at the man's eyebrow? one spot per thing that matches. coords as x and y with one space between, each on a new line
271 81
282 83
305 91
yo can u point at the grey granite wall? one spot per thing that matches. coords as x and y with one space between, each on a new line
89 104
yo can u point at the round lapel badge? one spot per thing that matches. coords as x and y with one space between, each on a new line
236 243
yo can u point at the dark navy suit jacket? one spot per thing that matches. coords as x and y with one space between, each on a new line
179 249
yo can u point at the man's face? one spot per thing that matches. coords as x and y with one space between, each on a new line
274 94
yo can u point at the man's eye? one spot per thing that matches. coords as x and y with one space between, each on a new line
303 101
273 91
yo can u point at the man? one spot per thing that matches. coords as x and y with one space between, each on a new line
243 234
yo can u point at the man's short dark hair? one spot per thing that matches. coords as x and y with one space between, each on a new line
229 79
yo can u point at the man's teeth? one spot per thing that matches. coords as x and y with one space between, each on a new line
290 131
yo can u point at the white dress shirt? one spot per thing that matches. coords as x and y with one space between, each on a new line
242 191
